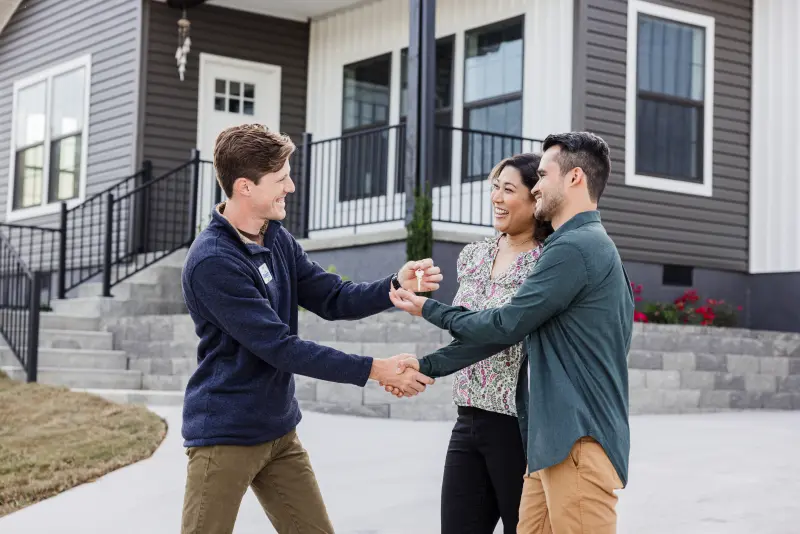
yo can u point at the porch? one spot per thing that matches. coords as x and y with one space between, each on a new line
354 184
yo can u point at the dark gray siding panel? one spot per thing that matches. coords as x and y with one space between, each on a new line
662 227
170 115
45 33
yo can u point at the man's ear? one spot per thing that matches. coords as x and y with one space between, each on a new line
242 186
576 175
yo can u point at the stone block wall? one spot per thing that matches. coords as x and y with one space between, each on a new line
672 369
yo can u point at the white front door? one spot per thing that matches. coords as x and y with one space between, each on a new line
231 92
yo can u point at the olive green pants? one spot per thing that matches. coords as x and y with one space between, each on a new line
280 474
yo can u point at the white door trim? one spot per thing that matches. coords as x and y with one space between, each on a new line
205 59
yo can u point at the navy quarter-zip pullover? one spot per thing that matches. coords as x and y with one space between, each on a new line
243 299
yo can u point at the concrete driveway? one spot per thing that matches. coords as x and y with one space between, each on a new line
720 473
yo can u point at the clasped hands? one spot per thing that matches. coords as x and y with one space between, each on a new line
400 375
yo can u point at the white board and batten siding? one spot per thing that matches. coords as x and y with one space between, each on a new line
775 185
382 26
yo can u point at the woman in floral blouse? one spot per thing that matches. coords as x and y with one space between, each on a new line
485 460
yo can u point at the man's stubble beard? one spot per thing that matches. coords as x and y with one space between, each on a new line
549 208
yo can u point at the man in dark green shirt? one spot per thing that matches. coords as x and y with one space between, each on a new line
575 313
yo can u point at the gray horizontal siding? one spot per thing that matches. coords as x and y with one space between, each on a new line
170 112
661 227
45 33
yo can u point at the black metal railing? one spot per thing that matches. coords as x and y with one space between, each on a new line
39 248
83 231
162 214
20 294
349 179
359 178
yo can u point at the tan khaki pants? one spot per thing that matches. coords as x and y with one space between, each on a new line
281 477
573 497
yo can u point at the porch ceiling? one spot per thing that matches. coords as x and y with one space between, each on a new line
294 9
7 8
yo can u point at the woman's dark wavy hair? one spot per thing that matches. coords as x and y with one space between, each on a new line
528 166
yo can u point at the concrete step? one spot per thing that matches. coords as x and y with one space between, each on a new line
164 382
159 273
133 291
165 366
73 359
76 339
73 340
146 328
138 396
81 378
107 308
158 350
175 259
49 320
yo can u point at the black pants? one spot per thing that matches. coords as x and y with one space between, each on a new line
483 473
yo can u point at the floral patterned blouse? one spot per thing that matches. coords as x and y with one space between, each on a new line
490 384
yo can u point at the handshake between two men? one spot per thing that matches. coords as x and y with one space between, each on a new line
399 375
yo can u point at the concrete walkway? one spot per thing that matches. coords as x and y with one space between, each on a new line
725 473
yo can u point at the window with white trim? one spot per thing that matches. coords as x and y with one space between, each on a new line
48 146
670 99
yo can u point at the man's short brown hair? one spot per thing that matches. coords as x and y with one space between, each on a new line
249 151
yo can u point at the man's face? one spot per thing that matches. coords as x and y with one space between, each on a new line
269 196
549 190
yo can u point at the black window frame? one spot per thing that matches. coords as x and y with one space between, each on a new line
649 96
365 147
502 138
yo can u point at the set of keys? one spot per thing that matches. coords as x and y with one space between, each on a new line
420 273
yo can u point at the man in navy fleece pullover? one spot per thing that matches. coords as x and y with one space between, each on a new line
243 280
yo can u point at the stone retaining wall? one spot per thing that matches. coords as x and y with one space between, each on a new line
672 369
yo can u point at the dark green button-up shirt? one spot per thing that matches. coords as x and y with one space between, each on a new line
575 313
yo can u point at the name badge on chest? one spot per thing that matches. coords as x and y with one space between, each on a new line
265 274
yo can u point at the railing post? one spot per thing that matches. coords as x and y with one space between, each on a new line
142 209
193 199
62 253
107 245
305 205
32 360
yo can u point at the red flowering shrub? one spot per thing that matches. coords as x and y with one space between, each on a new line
685 310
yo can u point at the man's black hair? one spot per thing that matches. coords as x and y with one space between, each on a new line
587 151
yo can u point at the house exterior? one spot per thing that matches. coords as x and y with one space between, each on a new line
696 100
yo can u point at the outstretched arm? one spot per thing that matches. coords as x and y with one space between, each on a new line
557 278
456 356
332 298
